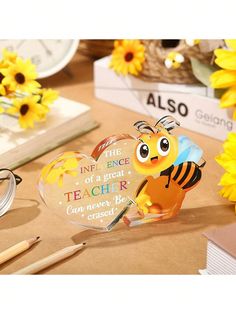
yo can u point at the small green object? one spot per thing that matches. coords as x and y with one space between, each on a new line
202 71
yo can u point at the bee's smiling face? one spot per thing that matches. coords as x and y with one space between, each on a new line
155 152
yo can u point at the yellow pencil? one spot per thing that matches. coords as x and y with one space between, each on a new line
17 249
50 260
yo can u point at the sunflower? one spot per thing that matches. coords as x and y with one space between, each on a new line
65 163
21 76
9 56
127 57
228 161
28 109
47 97
226 77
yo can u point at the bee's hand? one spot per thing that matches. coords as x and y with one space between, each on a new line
143 202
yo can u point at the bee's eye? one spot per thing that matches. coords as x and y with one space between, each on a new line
142 152
163 146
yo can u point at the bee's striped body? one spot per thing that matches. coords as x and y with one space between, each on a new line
186 174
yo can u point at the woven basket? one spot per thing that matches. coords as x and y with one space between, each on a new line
96 48
156 52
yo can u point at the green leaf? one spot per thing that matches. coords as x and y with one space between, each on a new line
202 71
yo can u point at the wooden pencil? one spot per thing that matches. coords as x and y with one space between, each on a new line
50 260
17 249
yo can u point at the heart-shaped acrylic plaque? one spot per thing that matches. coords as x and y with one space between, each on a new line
92 191
153 171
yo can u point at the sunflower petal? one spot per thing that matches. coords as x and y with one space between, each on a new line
228 179
229 192
223 79
70 163
2 90
54 175
226 59
12 110
229 98
234 115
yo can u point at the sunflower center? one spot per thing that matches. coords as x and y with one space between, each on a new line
1 77
20 78
24 109
129 56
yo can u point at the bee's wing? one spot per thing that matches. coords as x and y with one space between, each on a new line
187 151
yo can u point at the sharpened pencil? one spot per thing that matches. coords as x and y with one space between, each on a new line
50 260
17 249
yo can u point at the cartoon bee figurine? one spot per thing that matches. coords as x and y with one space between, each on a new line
170 166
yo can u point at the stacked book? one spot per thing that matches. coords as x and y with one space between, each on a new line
66 120
221 251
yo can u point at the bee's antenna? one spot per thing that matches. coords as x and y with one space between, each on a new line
168 122
144 127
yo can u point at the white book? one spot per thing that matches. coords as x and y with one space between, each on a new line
192 105
66 120
221 251
106 78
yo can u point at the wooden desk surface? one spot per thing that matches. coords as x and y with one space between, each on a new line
171 247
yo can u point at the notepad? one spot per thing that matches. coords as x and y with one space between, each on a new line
66 120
